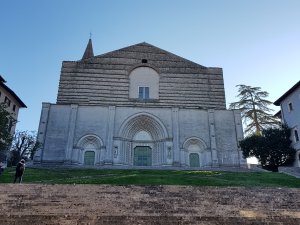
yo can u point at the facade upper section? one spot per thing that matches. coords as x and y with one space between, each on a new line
141 75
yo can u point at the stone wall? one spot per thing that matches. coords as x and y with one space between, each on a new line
104 80
215 132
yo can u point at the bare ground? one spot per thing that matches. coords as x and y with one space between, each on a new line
29 204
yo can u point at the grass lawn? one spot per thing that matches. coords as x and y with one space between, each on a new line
152 177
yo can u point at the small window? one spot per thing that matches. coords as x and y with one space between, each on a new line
7 101
144 60
14 108
290 106
296 135
144 92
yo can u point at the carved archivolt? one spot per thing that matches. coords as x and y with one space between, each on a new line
194 144
143 129
143 122
89 140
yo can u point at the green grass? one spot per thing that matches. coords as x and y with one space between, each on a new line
152 177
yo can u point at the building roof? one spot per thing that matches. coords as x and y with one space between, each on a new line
2 81
146 48
88 53
291 90
278 114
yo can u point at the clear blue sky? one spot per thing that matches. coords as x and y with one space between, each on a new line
256 42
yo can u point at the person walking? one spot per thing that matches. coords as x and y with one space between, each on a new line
1 168
20 171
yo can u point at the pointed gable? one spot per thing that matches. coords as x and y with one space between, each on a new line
146 50
104 79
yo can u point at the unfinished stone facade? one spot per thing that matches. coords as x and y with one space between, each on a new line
139 106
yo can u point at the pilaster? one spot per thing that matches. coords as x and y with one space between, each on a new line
175 130
41 136
72 124
110 133
212 136
239 135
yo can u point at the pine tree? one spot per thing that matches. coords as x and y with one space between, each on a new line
254 109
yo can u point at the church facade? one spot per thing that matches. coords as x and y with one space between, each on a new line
139 106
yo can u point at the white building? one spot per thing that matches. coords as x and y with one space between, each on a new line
12 101
289 112
139 106
13 104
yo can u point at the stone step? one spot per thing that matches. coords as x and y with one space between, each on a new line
30 204
128 220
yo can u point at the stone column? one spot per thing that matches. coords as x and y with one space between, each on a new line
239 135
110 134
41 136
212 136
175 130
70 142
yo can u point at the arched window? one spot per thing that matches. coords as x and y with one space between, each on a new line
143 83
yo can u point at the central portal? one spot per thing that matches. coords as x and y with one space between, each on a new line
142 156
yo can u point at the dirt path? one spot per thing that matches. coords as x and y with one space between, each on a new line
30 204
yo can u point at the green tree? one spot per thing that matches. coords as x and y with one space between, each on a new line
255 109
272 148
6 122
24 145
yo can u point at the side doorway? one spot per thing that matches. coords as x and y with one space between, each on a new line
194 160
89 158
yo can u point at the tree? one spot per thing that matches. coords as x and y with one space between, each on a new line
24 146
272 148
6 123
254 109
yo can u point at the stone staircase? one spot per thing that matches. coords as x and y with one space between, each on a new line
293 171
30 204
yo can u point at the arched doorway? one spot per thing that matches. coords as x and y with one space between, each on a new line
87 151
144 140
196 153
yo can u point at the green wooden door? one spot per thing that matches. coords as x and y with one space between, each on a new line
142 156
89 158
194 160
